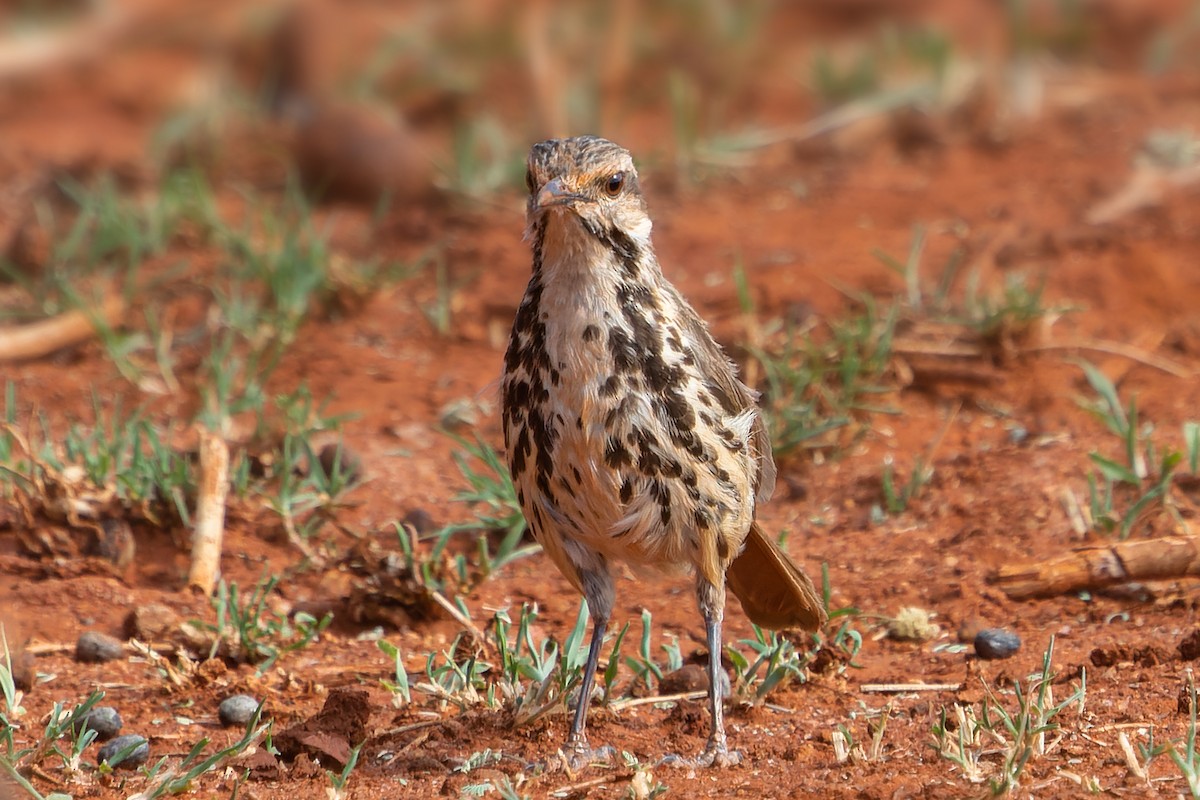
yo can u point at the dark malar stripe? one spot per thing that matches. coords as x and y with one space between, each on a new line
621 245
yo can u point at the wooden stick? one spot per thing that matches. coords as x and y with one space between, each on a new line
619 705
94 36
461 619
1131 760
210 512
1096 567
904 688
1148 186
38 339
1117 349
36 648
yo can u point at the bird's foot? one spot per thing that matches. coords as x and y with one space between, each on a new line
716 754
575 756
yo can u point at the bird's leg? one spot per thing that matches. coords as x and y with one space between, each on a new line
712 608
598 588
716 752
577 745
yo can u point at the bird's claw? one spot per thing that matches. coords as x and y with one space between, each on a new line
715 755
576 756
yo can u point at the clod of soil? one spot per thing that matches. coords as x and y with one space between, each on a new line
693 678
420 520
329 736
23 672
1147 656
996 643
96 647
104 720
237 710
1189 646
137 756
114 542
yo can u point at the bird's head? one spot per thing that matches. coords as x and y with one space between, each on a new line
585 186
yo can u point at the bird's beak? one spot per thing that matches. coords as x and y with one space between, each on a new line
555 193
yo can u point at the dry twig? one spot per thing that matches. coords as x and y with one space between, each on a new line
38 339
210 512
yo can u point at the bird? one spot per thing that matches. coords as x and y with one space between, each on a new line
628 435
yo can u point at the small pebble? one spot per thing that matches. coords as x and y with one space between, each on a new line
236 710
96 647
694 678
104 720
994 643
338 456
152 622
136 757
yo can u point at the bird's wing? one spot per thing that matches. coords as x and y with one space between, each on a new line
734 396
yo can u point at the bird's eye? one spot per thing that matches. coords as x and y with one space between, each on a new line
529 181
614 184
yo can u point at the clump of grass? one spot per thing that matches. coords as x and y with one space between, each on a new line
1186 760
247 630
897 495
484 160
645 668
774 656
815 385
18 762
1143 477
1023 734
526 677
120 466
121 461
497 514
992 317
169 781
338 781
896 60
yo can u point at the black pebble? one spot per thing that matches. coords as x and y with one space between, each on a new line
97 647
994 643
104 720
136 757
236 710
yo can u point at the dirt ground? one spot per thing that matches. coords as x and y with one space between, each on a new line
1027 173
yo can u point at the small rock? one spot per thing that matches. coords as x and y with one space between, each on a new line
995 643
104 720
134 758
96 647
694 678
338 456
153 622
969 628
1017 434
237 710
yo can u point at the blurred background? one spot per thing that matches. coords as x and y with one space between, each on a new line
365 99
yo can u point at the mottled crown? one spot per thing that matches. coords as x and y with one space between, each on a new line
581 160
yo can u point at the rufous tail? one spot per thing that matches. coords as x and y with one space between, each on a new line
774 590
